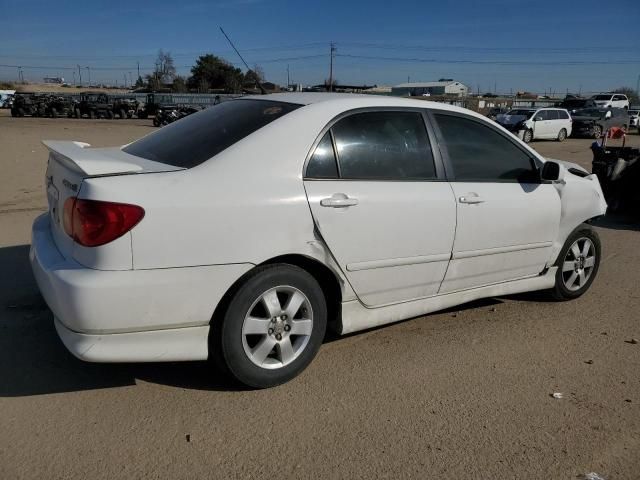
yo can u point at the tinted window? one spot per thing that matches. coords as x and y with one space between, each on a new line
542 115
563 115
479 153
384 145
602 97
322 163
553 114
198 137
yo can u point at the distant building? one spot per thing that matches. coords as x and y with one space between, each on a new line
420 89
53 80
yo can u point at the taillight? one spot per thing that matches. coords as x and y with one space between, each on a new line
93 223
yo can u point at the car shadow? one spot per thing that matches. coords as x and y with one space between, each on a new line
619 221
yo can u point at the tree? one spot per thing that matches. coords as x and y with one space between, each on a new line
179 84
165 70
139 83
215 72
631 94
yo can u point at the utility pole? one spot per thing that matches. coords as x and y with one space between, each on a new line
332 51
288 78
138 69
130 80
638 86
89 71
74 77
79 74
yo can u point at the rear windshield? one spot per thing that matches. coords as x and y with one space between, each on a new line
602 97
198 137
524 113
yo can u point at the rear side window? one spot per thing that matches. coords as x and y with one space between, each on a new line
198 137
563 114
478 153
542 115
385 146
553 114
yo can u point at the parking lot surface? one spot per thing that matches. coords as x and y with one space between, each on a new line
465 393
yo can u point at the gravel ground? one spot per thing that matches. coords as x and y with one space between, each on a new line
464 393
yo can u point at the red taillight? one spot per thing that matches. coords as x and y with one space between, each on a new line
93 223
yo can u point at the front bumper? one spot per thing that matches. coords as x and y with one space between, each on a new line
103 303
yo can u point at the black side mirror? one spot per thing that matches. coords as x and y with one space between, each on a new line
550 171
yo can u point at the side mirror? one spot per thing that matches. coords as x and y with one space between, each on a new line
551 171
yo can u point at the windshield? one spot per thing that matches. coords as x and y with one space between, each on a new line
525 113
602 97
198 137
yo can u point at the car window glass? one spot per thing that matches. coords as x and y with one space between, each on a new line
322 163
563 115
553 114
478 153
542 115
384 145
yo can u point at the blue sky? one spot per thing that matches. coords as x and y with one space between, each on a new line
508 45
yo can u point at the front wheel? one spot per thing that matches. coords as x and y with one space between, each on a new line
562 135
527 136
597 132
273 327
577 264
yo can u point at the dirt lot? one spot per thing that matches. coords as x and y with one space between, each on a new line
460 394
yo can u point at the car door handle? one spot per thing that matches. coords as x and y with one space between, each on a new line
339 200
471 199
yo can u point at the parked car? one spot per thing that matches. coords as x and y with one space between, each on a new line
239 233
537 123
634 118
94 105
495 111
576 103
29 104
592 122
611 100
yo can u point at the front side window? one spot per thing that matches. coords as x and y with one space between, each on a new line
478 153
384 145
563 115
542 115
198 137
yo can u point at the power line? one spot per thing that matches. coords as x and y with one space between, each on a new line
490 62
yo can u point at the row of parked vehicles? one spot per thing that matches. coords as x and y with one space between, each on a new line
576 117
86 105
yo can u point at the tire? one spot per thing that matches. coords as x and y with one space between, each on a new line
283 355
92 114
109 114
575 271
122 114
527 136
14 112
142 114
54 113
597 131
624 127
156 122
562 135
21 112
77 113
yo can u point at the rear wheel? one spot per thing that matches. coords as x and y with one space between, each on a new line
54 113
562 135
77 113
122 114
273 327
109 114
577 264
21 112
527 136
92 114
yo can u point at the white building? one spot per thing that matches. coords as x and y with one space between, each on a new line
442 87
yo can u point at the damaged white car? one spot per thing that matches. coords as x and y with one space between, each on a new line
242 232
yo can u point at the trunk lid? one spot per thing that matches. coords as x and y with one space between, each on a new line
70 163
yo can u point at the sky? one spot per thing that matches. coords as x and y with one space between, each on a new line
541 46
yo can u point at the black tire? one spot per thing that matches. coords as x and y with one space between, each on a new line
92 114
142 114
77 113
21 112
597 131
156 122
562 135
54 113
14 112
227 341
561 291
109 114
122 114
527 136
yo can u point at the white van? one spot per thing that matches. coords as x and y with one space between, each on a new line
537 123
609 100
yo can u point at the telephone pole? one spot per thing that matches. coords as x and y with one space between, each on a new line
288 78
89 71
333 51
79 74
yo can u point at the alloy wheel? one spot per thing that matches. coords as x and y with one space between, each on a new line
578 264
277 328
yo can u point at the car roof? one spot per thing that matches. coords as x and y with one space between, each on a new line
354 99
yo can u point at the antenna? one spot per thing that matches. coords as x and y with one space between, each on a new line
259 85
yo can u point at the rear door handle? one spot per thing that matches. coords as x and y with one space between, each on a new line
471 198
339 200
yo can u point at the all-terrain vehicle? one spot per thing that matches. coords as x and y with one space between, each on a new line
125 107
59 106
94 105
155 102
30 104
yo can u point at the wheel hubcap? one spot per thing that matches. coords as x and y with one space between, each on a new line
277 327
578 264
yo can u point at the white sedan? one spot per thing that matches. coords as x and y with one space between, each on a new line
242 232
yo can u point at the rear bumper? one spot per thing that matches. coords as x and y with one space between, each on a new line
97 302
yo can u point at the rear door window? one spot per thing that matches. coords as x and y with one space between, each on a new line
388 145
322 163
199 137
